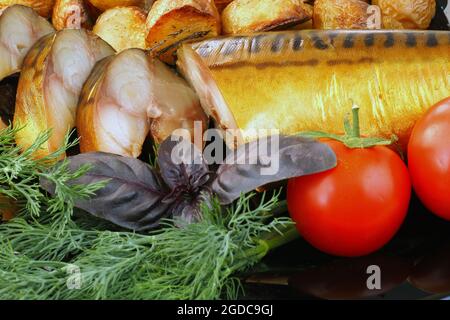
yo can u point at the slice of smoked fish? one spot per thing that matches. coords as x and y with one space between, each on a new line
298 81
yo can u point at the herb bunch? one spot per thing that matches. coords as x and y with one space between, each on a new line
198 261
181 259
39 247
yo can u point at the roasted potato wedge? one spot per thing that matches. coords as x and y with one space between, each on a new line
245 16
20 28
304 26
42 7
221 4
50 83
104 5
341 14
170 22
122 27
406 14
70 14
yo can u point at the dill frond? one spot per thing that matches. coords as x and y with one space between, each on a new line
20 174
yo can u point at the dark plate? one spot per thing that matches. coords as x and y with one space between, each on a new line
414 265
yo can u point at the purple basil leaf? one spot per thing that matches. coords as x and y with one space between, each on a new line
188 209
248 168
133 196
182 165
186 173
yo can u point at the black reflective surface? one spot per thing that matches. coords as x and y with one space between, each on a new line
442 17
414 265
8 88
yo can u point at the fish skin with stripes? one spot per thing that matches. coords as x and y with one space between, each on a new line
308 80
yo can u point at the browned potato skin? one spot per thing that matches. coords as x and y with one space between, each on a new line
406 14
103 5
70 14
171 22
246 16
122 27
42 7
221 4
304 26
340 14
93 12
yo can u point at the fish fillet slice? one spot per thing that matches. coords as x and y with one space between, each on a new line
51 81
20 29
128 97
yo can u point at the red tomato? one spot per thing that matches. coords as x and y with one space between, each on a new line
355 208
429 159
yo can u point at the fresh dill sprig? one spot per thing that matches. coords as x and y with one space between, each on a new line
44 242
60 207
21 171
198 261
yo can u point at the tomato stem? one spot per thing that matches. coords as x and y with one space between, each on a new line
356 128
352 137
